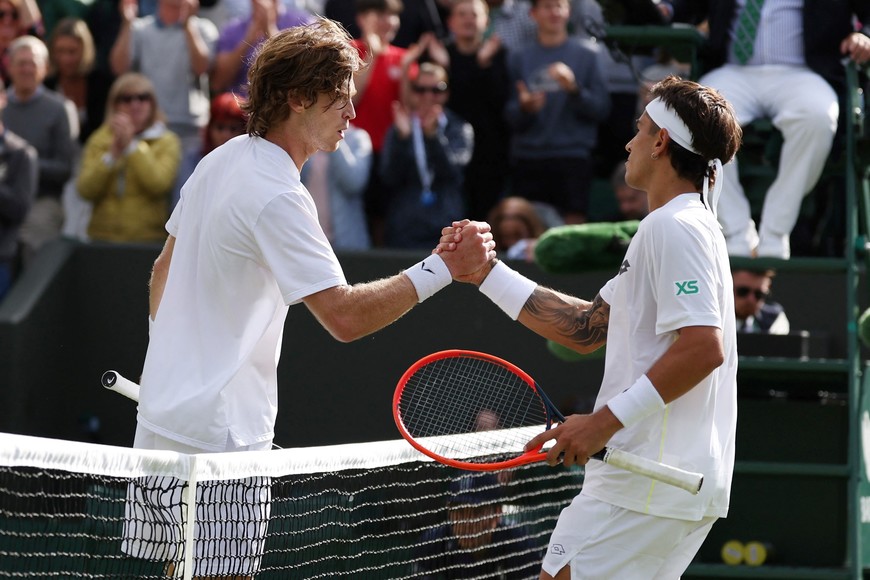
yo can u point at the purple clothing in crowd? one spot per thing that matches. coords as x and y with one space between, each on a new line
234 32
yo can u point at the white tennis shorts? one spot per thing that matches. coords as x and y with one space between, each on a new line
601 542
231 517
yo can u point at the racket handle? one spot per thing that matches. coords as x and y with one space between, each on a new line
675 476
113 381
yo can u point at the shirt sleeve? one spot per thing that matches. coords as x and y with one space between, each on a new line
685 282
295 248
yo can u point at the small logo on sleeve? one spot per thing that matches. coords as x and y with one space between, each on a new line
687 287
624 267
425 269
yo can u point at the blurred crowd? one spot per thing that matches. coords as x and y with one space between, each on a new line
502 110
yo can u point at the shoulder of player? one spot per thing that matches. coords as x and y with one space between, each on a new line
673 223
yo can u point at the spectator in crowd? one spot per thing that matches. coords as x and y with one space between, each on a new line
129 165
791 73
621 73
516 226
49 122
423 17
423 163
239 38
223 11
559 98
476 543
378 86
17 18
336 182
343 12
631 202
418 17
510 21
104 21
479 90
753 308
72 57
175 49
18 175
226 120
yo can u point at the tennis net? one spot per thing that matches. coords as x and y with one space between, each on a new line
375 510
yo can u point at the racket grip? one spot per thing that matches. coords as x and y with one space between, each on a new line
675 476
113 381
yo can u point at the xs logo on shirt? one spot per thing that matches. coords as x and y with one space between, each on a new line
687 287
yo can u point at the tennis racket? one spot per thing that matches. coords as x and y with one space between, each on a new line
475 411
113 381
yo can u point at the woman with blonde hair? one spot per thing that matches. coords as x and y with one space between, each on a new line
71 60
129 165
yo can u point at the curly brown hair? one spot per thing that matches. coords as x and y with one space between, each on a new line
301 62
716 134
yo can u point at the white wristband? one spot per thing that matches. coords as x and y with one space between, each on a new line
508 289
429 276
637 402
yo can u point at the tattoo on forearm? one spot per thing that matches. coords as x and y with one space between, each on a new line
585 327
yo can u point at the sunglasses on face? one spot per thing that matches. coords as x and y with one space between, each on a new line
438 89
11 14
127 99
744 291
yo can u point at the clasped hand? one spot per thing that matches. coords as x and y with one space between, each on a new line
467 249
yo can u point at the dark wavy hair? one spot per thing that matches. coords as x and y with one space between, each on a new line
716 134
301 62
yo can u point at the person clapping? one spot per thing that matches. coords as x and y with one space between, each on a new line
129 165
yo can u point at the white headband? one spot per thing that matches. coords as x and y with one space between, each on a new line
667 119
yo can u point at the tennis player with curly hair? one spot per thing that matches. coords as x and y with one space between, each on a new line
244 244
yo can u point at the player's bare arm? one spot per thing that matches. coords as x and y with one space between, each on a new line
351 312
159 273
572 322
695 354
577 324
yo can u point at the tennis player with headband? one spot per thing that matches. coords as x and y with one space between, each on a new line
669 386
244 244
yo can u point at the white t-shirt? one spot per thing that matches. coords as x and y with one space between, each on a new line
248 244
676 273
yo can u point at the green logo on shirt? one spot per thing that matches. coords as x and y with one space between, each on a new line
687 287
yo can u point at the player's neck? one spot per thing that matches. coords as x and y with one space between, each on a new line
296 149
665 187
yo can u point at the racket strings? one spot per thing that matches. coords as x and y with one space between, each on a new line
462 406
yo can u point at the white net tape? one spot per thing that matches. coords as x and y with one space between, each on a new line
371 510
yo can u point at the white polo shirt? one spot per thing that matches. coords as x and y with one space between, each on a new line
676 273
248 244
